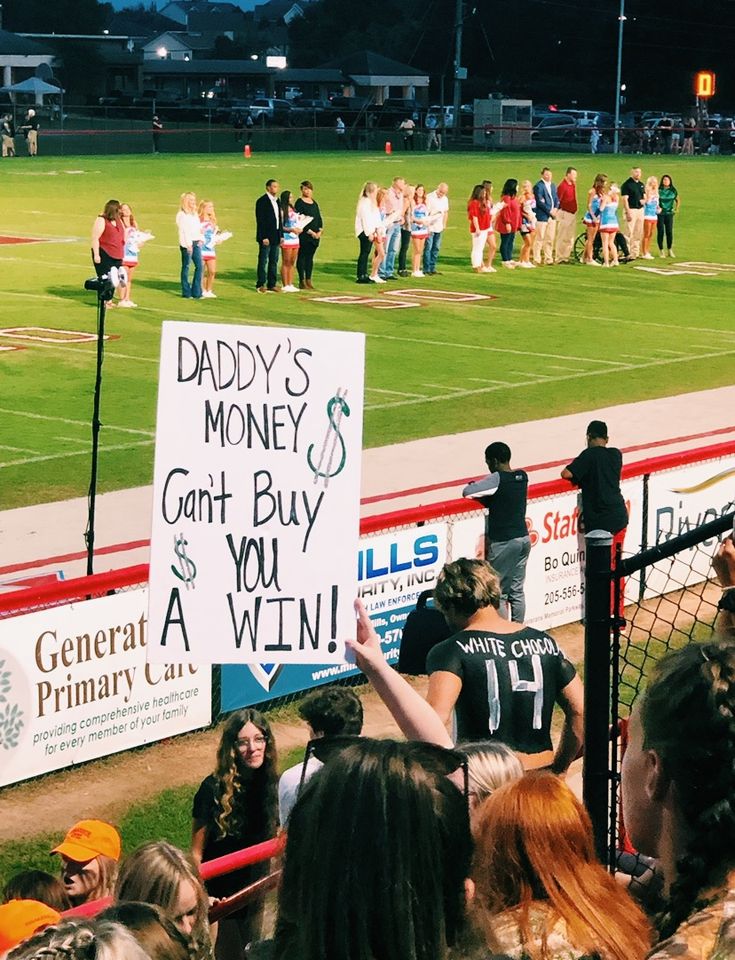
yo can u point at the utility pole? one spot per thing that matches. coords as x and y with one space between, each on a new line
619 77
458 66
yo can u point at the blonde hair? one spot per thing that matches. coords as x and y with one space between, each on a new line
183 204
81 940
153 874
490 764
105 884
534 844
370 186
202 205
652 183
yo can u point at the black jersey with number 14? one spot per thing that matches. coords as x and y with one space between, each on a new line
510 682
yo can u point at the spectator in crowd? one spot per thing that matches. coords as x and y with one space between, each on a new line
90 853
666 132
367 226
668 198
491 244
503 492
156 934
425 626
418 218
339 131
37 885
156 130
20 919
724 566
212 236
338 900
528 224
540 891
81 940
437 204
566 216
501 678
433 139
108 240
687 146
596 471
29 130
407 128
632 192
651 210
329 712
547 204
310 236
678 786
478 213
408 191
393 204
595 137
591 218
289 242
7 132
134 240
490 764
268 233
161 874
236 807
508 222
238 124
190 246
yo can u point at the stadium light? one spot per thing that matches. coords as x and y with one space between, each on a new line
162 52
618 77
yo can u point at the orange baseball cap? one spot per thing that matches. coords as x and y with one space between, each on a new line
89 839
20 919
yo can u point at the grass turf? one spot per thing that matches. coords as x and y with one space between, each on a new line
554 341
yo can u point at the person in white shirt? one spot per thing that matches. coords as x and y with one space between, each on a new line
190 246
367 226
437 203
329 712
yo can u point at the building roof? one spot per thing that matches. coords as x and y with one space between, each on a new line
311 75
275 10
13 45
367 63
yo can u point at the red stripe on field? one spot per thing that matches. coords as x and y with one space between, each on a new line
445 484
23 240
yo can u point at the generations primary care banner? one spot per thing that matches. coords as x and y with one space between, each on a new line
392 570
75 685
256 494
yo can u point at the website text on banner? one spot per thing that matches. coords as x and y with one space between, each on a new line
256 494
392 570
75 685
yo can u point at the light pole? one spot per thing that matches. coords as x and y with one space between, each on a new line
458 67
618 77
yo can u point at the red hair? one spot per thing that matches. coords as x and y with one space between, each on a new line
534 843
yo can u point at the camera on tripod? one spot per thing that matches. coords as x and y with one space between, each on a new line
106 285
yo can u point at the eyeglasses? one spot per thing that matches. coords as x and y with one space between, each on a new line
256 742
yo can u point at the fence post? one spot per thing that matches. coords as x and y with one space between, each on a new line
597 623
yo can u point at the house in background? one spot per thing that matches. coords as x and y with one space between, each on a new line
379 78
20 56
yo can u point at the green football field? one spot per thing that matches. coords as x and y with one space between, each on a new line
545 342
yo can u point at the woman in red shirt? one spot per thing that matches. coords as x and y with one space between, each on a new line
508 222
108 240
478 213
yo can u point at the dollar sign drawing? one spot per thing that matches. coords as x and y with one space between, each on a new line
332 437
188 570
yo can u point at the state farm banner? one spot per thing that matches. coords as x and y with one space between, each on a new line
255 494
75 685
679 501
555 569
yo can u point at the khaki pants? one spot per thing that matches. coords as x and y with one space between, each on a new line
32 143
8 146
543 242
566 225
634 231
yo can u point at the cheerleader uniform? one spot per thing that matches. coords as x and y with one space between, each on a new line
609 217
650 209
592 216
290 239
528 223
131 250
420 230
209 232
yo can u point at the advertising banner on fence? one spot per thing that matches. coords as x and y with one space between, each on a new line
75 685
555 569
681 500
256 494
393 569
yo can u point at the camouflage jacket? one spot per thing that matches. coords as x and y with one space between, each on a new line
707 935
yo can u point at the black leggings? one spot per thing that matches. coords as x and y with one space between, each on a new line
403 251
665 223
305 259
366 245
106 263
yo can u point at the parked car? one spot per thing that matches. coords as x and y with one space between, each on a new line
305 112
292 93
270 109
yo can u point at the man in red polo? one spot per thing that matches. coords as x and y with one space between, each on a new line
566 216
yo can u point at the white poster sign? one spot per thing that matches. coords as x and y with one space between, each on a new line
75 685
679 501
256 494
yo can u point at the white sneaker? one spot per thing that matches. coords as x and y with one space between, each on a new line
647 256
417 273
663 254
509 265
671 253
527 266
592 263
379 279
126 303
288 288
488 270
208 294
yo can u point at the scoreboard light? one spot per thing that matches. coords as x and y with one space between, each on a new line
704 84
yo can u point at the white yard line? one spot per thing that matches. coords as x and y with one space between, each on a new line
74 423
75 453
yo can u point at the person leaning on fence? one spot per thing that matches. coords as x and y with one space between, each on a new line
90 853
331 712
503 492
678 789
502 679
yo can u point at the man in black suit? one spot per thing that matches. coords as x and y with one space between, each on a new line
268 233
